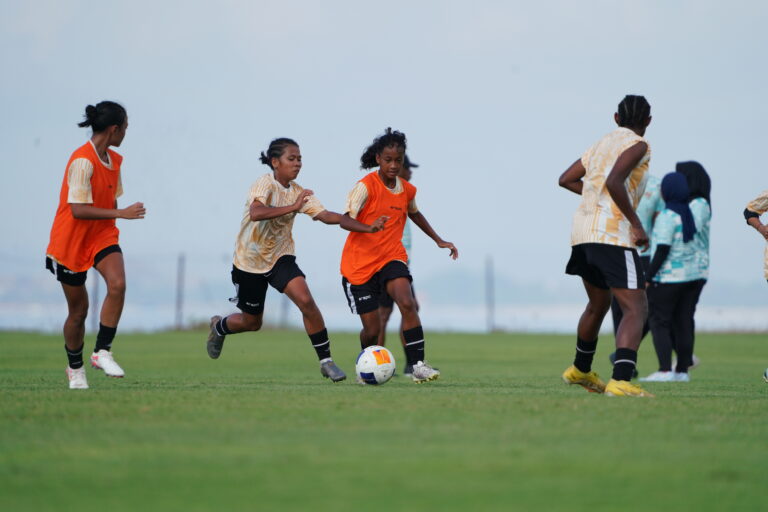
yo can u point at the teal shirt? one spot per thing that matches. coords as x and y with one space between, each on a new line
650 204
682 263
702 215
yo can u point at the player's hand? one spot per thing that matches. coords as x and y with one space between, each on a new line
303 198
135 211
639 236
448 245
378 224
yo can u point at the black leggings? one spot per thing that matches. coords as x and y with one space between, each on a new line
671 309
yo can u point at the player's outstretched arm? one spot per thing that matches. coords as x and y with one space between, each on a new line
350 224
90 212
627 161
421 221
260 211
571 179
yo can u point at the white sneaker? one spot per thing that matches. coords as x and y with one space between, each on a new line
422 372
659 377
77 378
681 377
103 360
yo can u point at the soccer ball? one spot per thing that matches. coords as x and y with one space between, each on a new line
375 365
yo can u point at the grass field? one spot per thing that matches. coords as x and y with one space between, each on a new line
259 429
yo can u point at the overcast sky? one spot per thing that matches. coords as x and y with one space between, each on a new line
497 98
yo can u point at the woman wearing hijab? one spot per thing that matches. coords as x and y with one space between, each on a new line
675 280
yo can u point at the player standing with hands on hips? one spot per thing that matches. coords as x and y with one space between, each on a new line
84 235
611 178
264 253
373 264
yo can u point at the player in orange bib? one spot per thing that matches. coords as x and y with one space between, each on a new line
84 235
374 264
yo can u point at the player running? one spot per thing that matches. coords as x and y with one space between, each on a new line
264 253
752 213
611 178
371 265
84 235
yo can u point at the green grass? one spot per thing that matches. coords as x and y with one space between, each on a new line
259 429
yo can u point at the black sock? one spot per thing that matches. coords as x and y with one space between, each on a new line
585 352
221 327
105 337
321 344
626 360
414 345
75 357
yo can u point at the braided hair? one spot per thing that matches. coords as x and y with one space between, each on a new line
391 138
103 115
633 111
276 150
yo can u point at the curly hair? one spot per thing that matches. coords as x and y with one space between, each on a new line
390 138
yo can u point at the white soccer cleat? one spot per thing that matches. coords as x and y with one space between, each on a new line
681 377
103 360
659 377
77 378
422 372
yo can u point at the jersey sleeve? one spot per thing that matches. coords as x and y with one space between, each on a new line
356 199
759 205
79 181
312 206
664 228
260 191
585 158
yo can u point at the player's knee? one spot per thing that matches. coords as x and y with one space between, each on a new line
116 286
78 313
306 305
407 305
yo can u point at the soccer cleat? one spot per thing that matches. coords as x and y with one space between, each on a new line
625 388
329 370
77 378
422 372
104 360
589 381
680 377
659 377
215 340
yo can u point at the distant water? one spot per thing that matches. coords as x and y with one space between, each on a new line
556 318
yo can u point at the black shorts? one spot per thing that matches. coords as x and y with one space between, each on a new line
607 266
66 276
364 298
251 289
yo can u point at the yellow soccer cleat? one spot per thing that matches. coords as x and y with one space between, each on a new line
625 388
589 381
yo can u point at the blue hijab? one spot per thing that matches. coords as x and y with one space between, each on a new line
674 190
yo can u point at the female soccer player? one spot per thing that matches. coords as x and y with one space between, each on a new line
386 304
675 278
752 213
371 265
610 177
84 235
264 253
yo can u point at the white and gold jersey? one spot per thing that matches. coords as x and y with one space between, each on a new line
598 219
261 243
759 205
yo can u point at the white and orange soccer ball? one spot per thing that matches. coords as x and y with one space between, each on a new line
375 365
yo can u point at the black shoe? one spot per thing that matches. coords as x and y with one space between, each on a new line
215 340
